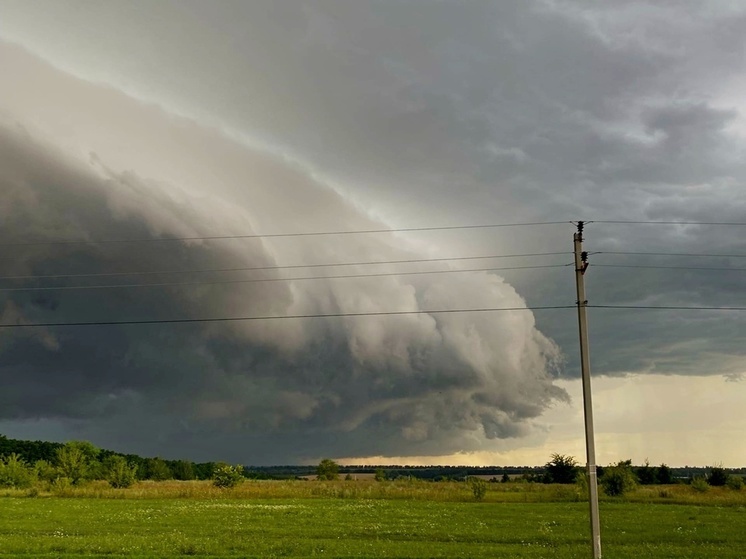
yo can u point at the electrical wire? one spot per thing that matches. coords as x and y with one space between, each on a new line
625 222
287 267
281 317
666 308
278 235
703 268
669 254
263 280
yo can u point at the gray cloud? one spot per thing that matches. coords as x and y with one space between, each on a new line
288 390
433 113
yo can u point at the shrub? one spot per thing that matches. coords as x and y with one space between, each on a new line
119 473
45 471
717 477
14 472
327 470
646 474
72 462
478 487
561 469
618 479
700 484
664 475
735 482
380 474
226 476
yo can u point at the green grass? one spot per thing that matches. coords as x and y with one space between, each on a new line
161 520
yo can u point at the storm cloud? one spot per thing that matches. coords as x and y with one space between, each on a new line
188 119
288 390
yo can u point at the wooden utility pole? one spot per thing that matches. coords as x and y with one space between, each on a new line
581 264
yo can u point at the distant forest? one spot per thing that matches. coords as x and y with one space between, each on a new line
156 468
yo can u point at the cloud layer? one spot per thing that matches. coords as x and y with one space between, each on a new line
339 115
287 390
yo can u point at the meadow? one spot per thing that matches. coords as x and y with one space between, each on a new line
366 519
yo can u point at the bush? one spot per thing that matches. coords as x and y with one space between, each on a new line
561 469
735 482
717 477
119 473
618 479
226 476
700 484
327 470
45 471
380 474
646 474
478 487
664 475
14 472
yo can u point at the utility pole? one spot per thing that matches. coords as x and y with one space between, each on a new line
581 264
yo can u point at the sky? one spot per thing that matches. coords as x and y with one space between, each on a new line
134 133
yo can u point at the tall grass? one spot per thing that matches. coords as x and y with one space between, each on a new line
405 489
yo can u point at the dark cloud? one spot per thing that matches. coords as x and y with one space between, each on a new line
288 391
420 113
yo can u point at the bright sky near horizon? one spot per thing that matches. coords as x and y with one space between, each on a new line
138 120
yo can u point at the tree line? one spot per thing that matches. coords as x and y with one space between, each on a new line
24 462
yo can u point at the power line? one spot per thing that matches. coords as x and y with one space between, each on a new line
282 317
626 222
669 254
277 235
286 267
705 268
667 308
263 280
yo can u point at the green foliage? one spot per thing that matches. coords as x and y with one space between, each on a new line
44 471
664 475
183 470
478 488
119 473
735 482
561 469
505 478
646 474
717 476
380 474
14 472
618 479
226 476
700 485
155 469
73 462
327 469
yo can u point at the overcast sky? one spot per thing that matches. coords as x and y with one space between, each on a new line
150 120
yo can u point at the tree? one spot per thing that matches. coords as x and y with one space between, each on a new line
665 475
717 477
478 487
226 476
380 474
327 469
561 469
618 479
505 478
157 469
119 473
646 474
183 470
72 462
14 472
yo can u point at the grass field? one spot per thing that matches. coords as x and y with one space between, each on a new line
412 520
